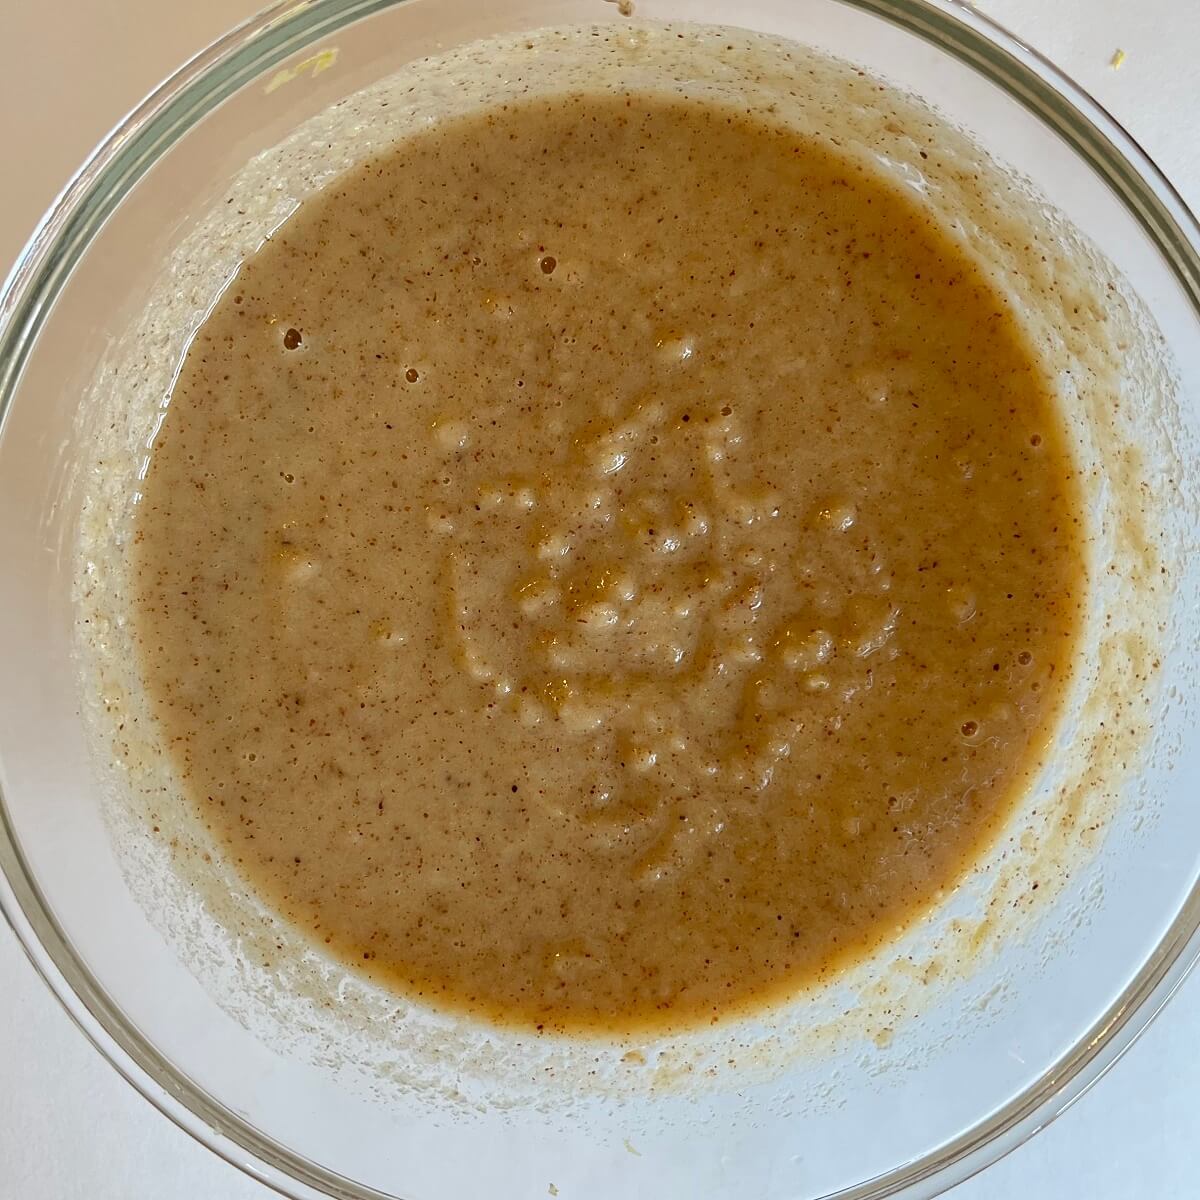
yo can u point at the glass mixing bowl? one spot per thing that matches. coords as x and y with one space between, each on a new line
336 1092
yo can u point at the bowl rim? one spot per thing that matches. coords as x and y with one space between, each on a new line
42 269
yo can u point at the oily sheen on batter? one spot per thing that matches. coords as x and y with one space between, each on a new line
606 563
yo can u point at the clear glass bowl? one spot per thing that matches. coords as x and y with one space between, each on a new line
910 1113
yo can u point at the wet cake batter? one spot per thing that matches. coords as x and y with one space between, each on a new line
607 562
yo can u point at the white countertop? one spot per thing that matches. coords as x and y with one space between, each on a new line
69 1125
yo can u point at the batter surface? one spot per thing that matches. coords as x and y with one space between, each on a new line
606 563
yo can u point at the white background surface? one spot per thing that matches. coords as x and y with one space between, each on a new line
69 1126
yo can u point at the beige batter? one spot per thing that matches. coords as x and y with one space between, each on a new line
606 563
